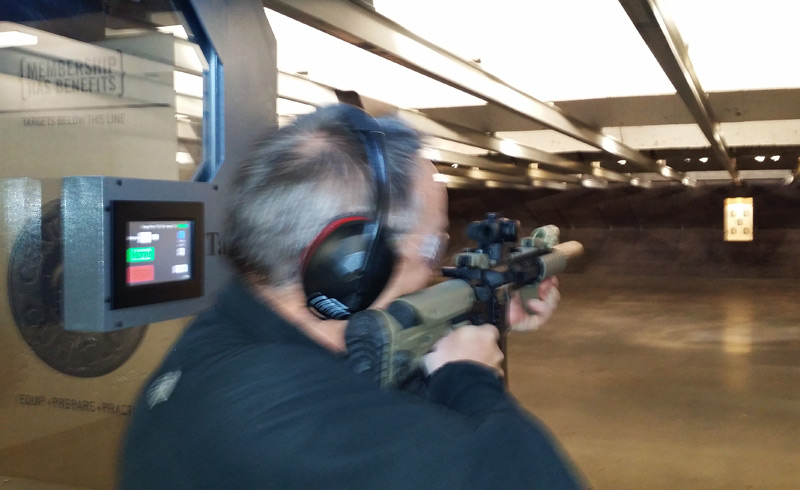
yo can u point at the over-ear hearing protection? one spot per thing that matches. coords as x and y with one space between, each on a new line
348 264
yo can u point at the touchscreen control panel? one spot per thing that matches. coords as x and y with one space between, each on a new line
158 252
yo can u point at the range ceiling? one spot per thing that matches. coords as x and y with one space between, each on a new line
572 87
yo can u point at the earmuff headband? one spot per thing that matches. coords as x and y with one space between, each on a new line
371 134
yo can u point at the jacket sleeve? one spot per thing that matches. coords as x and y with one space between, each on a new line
294 421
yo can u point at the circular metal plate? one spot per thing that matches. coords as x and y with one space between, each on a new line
35 287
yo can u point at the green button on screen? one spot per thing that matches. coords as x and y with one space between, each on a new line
143 254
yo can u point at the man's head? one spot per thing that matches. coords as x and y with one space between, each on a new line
303 177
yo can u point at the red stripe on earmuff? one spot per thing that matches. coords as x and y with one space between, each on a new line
325 233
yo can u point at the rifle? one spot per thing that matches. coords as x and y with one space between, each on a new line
389 344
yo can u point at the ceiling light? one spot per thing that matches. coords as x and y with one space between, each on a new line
336 63
666 171
622 162
703 159
637 182
760 158
433 154
302 90
184 158
593 184
286 107
615 29
687 160
455 165
775 158
175 30
10 39
546 184
188 84
510 148
712 57
608 144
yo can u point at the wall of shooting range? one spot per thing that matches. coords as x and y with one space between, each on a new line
674 231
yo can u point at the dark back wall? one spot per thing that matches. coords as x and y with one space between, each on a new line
674 231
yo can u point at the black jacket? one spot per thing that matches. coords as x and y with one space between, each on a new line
245 401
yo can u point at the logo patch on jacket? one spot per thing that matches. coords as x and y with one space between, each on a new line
162 388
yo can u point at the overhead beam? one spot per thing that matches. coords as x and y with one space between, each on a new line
662 37
473 161
610 175
483 175
478 167
489 142
450 179
705 175
363 27
300 89
539 174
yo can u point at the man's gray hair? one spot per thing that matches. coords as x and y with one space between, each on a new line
304 176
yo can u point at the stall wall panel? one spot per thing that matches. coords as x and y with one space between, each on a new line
65 398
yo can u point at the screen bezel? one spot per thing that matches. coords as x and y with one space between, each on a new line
124 212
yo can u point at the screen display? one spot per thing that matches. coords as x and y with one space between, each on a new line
158 252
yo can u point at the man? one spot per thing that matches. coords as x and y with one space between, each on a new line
258 392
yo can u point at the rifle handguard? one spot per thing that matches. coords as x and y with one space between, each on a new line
551 263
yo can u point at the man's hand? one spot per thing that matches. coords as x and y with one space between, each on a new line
471 343
520 320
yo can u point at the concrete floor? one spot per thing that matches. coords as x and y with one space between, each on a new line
669 383
649 383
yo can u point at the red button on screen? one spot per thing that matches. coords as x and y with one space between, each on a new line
141 273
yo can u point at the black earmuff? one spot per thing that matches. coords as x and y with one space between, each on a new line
350 262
